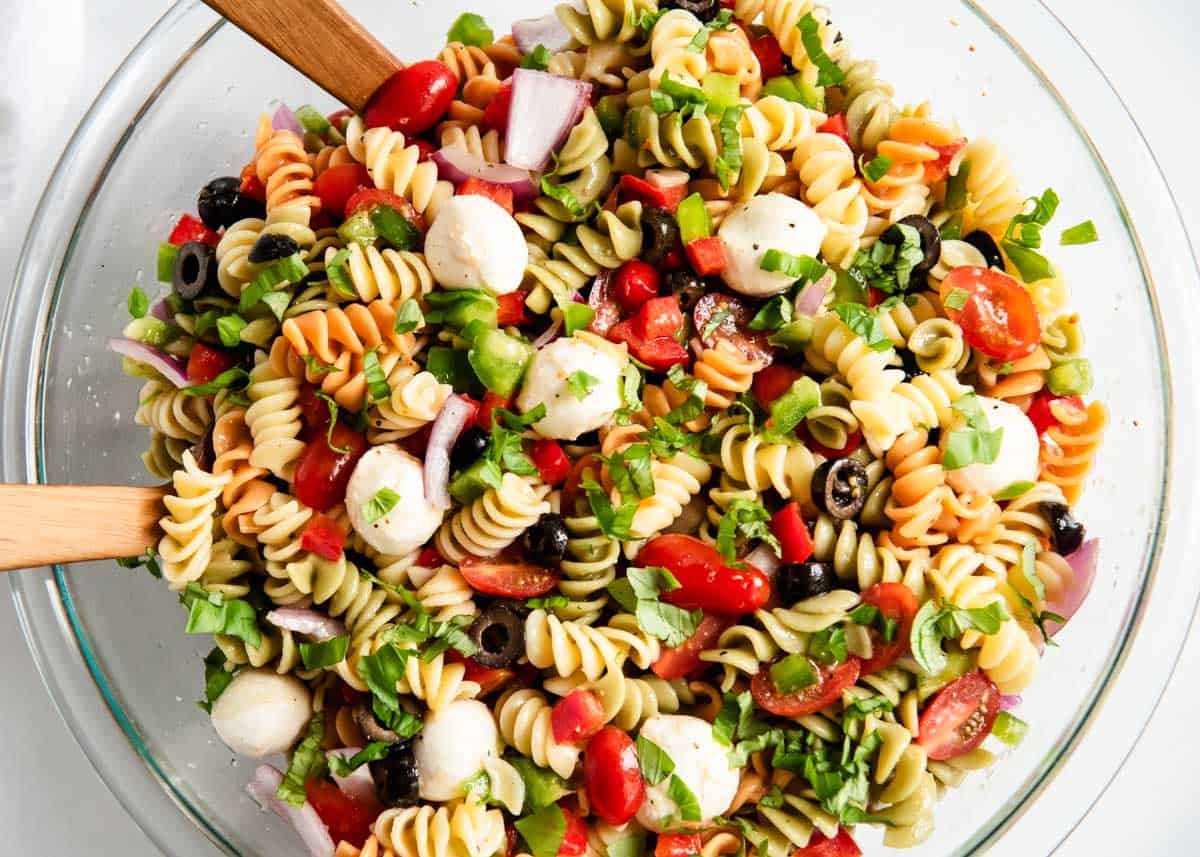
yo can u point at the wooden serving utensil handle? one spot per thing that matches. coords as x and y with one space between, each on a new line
319 39
47 524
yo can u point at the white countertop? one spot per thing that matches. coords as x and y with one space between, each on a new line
56 57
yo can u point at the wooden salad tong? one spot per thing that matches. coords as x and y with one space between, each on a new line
47 524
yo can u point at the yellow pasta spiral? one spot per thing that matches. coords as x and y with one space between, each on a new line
186 546
494 521
826 168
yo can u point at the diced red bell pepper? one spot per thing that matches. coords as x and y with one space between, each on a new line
191 228
708 256
684 659
658 317
936 171
795 543
324 537
550 460
836 124
875 297
251 186
339 118
633 188
770 55
499 194
659 353
1042 412
512 309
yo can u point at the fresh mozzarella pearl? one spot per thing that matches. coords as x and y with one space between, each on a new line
700 762
262 712
408 524
1017 460
475 244
452 746
762 223
546 383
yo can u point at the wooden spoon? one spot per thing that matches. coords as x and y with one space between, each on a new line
320 40
47 524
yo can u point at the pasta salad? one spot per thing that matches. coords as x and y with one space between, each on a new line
634 432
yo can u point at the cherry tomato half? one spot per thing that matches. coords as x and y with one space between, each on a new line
576 717
414 99
770 55
488 678
612 777
773 381
635 283
831 681
960 717
574 841
999 317
314 412
507 577
205 363
706 581
339 184
896 602
348 820
322 472
684 659
323 536
1047 409
677 845
788 526
819 845
550 460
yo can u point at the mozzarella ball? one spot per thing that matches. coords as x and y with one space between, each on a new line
1017 460
476 244
548 382
452 747
762 223
700 762
262 712
408 524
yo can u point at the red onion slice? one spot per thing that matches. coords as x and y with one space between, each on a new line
283 119
607 311
764 559
808 302
455 164
1009 702
545 107
446 428
160 310
167 365
552 333
301 620
307 823
546 30
1083 562
360 785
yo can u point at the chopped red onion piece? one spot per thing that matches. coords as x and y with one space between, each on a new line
446 429
302 620
808 302
1083 562
285 120
360 785
547 31
552 333
167 365
456 165
308 825
1009 702
763 558
545 107
160 310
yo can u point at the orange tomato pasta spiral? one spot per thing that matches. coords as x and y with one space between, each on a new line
281 164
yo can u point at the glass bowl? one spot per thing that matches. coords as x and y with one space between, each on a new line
182 108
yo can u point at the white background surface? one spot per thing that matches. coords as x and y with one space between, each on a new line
54 58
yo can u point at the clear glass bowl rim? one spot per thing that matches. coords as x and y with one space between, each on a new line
42 598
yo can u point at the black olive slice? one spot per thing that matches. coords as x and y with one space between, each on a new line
546 541
839 487
805 580
499 635
986 245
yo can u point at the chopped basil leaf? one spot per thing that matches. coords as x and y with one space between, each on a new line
956 189
544 830
562 194
925 640
865 324
689 807
1013 491
646 20
229 329
542 787
549 602
957 299
580 383
829 646
316 367
538 59
889 262
376 381
1039 619
746 518
373 752
470 29
775 314
933 624
863 707
211 613
149 562
653 761
1030 264
216 679
673 625
138 303
325 653
333 418
877 168
613 522
408 317
292 269
714 323
828 73
722 21
277 303
977 442
1025 229
226 379
797 267
651 581
338 276
307 763
792 673
1080 233
1029 570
